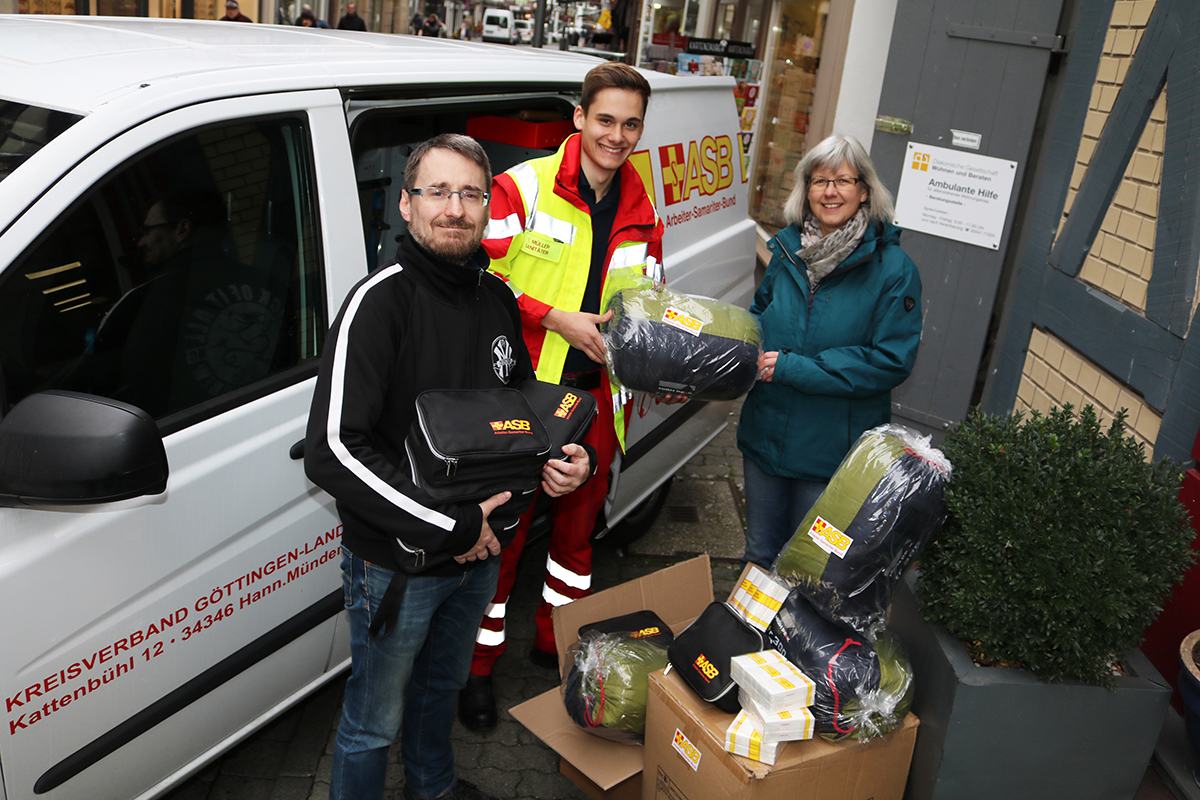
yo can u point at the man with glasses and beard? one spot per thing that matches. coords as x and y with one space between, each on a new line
434 319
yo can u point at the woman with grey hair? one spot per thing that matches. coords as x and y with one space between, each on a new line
840 309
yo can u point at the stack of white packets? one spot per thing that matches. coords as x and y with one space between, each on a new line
775 698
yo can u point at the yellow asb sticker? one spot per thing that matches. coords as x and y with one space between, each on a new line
829 538
685 322
686 749
542 247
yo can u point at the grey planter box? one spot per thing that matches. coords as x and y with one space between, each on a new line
991 733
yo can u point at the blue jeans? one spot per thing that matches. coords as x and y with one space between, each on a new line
409 681
775 507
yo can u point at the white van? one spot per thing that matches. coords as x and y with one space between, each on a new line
169 577
524 30
499 26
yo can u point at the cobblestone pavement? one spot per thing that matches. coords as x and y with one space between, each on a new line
290 759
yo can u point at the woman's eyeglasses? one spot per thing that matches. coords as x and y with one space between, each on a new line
841 183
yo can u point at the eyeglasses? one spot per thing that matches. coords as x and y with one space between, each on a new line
437 195
841 183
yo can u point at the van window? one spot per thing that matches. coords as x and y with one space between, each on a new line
382 138
25 129
187 275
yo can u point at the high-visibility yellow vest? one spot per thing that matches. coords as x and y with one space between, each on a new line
540 238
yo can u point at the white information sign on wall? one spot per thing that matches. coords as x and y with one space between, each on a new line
955 195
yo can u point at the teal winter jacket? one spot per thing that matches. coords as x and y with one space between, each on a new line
841 350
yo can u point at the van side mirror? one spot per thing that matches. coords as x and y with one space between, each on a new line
67 448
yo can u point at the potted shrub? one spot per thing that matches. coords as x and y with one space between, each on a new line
1060 543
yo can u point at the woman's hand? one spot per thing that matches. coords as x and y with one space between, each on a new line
766 365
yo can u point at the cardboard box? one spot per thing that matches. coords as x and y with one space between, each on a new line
519 132
604 769
686 758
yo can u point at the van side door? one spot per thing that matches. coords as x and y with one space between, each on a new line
182 268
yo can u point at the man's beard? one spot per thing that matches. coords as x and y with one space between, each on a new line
455 251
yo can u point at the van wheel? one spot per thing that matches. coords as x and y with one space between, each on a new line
638 521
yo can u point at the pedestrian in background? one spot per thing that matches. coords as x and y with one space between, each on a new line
351 21
233 13
840 309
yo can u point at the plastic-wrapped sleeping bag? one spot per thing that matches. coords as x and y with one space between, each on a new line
605 690
666 342
863 690
878 511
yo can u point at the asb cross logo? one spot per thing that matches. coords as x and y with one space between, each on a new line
704 167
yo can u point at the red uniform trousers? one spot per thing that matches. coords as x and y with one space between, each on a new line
569 566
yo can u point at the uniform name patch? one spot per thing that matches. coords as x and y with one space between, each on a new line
542 247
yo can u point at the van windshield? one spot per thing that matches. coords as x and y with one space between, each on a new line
25 129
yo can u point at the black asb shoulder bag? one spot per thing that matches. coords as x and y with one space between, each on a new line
466 445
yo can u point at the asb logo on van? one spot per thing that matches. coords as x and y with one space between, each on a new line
697 169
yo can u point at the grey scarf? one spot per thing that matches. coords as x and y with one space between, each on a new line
821 254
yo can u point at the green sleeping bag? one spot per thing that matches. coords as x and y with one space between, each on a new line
878 511
605 691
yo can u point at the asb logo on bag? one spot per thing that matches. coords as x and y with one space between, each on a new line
704 167
706 668
502 426
644 632
567 407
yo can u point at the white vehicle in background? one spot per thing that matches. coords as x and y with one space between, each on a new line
499 26
524 31
171 579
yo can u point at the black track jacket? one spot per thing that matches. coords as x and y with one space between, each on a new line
416 325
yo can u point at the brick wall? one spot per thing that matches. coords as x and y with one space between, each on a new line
1121 258
1054 374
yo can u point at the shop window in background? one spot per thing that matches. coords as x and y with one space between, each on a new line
46 6
783 115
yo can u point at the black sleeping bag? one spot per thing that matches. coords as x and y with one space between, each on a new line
863 690
666 342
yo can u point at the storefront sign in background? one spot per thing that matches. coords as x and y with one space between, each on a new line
955 195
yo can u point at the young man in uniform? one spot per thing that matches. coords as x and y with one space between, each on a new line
435 319
561 227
